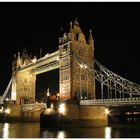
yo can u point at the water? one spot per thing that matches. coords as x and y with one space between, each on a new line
32 130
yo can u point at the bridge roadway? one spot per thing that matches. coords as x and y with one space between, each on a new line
44 64
112 102
96 102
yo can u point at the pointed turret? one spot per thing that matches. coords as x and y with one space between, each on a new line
91 41
71 32
14 63
25 57
25 54
71 29
76 27
18 60
76 22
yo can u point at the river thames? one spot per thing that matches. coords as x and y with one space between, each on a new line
32 130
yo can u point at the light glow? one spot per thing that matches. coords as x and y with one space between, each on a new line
62 108
46 55
81 65
48 110
52 106
13 96
85 66
61 135
48 93
34 60
7 111
5 130
107 132
107 111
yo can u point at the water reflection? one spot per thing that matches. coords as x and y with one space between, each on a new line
108 132
5 130
32 130
61 134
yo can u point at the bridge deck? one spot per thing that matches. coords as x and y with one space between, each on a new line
112 102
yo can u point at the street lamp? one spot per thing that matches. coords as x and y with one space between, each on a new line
107 111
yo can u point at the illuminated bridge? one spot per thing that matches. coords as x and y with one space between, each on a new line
78 73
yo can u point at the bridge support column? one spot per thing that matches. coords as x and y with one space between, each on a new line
86 116
23 87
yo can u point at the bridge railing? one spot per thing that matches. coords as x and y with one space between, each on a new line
32 107
111 102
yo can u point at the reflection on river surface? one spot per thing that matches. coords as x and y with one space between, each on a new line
32 130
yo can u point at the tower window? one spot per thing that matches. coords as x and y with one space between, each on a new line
76 36
65 47
83 77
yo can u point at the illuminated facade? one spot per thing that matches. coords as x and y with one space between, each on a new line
73 80
23 82
71 84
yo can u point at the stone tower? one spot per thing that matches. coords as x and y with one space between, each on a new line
23 82
75 81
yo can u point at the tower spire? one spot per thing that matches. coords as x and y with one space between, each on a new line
90 31
71 27
18 60
91 41
76 22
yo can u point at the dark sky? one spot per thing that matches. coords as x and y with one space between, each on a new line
116 31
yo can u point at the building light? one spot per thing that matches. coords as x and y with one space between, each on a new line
107 111
7 111
52 106
13 94
48 92
62 108
46 55
85 66
81 65
6 99
61 135
34 60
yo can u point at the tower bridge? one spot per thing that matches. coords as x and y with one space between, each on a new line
78 72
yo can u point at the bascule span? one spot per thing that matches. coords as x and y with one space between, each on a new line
47 63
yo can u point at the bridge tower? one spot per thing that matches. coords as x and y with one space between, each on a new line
75 81
23 82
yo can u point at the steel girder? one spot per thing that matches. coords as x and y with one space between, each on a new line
110 79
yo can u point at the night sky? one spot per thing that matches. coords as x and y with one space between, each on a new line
116 31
